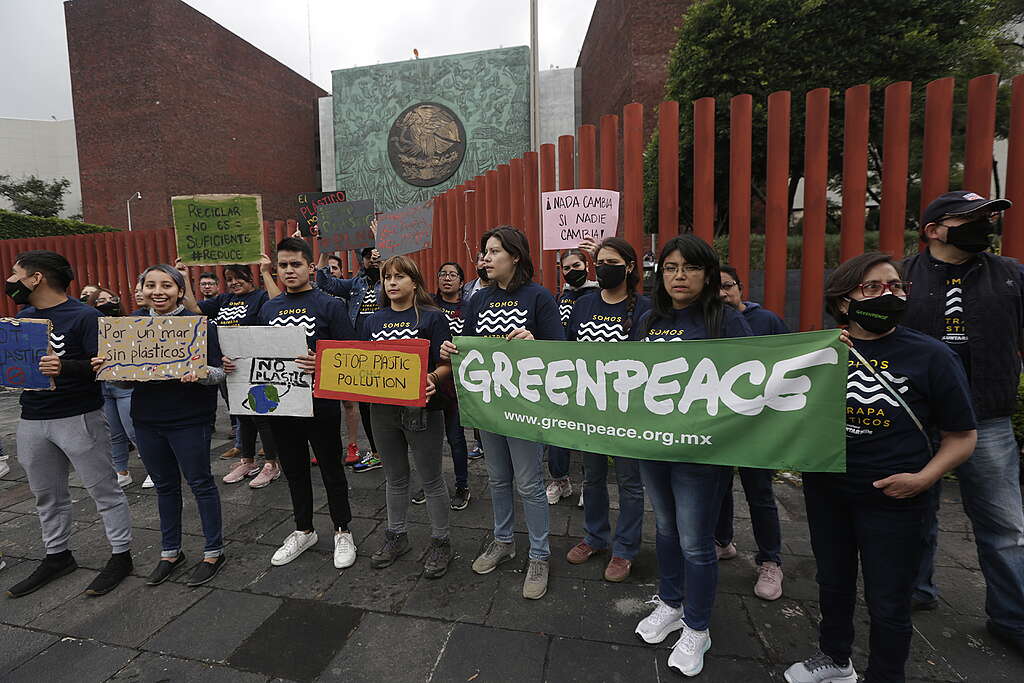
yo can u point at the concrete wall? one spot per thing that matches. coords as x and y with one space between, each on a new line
328 181
560 104
45 149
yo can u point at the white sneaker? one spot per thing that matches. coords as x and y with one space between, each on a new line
4 468
688 653
124 479
558 489
148 483
580 504
820 669
658 624
344 550
296 543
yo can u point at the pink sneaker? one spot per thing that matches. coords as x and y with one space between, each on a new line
240 471
725 552
270 472
769 581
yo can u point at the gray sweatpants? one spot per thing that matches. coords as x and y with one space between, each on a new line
46 449
394 441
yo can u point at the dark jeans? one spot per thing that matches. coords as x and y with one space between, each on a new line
849 519
686 498
629 527
764 516
292 434
249 426
558 462
169 453
457 443
364 415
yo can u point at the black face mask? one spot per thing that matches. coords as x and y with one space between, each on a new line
574 278
110 308
877 315
610 276
18 292
373 273
973 237
482 274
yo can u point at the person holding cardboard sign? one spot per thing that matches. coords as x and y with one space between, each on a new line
66 426
451 300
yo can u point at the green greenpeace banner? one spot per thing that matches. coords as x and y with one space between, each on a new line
777 402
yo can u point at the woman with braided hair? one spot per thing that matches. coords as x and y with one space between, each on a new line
608 317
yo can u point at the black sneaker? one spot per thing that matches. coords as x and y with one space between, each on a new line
439 556
395 545
164 569
52 567
118 567
205 571
419 498
460 500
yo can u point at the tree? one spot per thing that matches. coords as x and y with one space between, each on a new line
35 196
729 47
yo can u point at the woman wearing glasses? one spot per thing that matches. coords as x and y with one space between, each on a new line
905 391
449 298
686 497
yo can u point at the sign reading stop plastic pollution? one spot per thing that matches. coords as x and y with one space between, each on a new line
571 216
392 372
218 229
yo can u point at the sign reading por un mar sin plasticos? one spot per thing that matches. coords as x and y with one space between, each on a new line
149 348
392 372
218 229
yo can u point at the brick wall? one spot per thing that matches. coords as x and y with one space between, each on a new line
169 102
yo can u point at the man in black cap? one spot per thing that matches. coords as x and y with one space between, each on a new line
974 301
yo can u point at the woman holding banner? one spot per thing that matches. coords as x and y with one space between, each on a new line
686 496
400 429
905 392
514 307
449 298
608 317
172 428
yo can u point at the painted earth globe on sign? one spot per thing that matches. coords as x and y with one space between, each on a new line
426 144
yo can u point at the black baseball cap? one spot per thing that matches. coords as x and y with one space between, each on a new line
960 203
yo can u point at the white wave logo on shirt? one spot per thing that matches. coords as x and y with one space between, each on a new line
565 310
231 315
500 321
296 320
455 323
956 329
57 342
393 333
601 331
863 387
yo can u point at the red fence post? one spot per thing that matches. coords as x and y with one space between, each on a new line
609 152
633 175
704 169
566 162
741 111
531 206
588 156
547 184
668 171
504 198
895 165
981 128
1013 219
492 199
516 193
776 218
938 125
855 170
815 206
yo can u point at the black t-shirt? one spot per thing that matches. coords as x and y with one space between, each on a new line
955 332
322 315
74 335
594 320
229 310
688 323
452 312
881 439
495 312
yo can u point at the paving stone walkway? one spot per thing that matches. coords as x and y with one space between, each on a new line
307 621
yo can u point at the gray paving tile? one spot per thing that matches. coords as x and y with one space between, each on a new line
380 590
18 645
72 661
470 655
559 612
460 595
153 667
21 611
416 643
580 661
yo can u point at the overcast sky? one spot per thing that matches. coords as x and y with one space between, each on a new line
34 80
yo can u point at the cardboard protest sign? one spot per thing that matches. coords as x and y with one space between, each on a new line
405 231
148 348
23 341
393 372
309 206
571 216
267 380
218 229
346 226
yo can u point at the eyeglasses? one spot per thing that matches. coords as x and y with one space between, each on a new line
688 269
728 285
447 276
873 289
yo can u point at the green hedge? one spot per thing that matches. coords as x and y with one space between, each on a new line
794 248
18 225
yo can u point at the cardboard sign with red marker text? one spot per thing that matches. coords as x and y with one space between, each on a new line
150 348
392 372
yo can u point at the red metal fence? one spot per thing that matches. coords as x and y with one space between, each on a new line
511 192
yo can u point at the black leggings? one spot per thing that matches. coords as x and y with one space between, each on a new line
364 414
250 425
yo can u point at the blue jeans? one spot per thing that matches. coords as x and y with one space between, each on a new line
990 488
457 443
686 498
764 515
169 453
509 459
558 462
117 408
629 526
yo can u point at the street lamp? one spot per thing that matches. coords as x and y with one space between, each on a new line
128 205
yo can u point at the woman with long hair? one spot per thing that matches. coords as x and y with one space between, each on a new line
514 307
412 314
686 497
608 316
450 299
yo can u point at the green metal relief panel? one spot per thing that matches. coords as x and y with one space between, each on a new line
406 131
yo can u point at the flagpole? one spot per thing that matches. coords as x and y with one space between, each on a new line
534 76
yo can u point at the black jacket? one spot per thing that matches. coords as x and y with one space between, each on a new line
994 311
